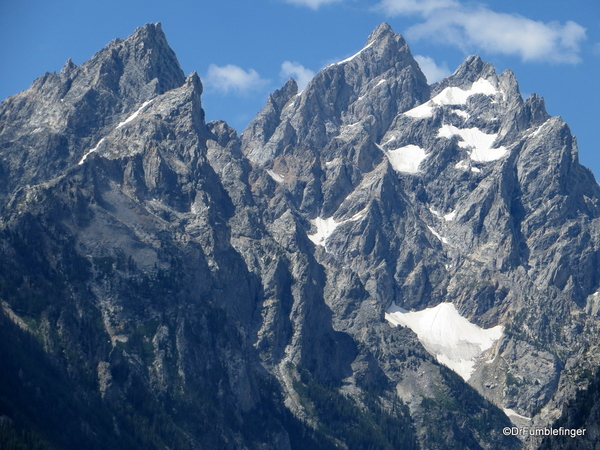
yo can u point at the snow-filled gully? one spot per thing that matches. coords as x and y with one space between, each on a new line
445 334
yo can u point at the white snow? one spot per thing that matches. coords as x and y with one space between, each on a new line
407 158
91 151
511 413
461 165
453 96
326 227
537 130
437 235
479 142
135 114
452 339
275 176
393 138
457 96
434 212
381 82
459 112
421 111
332 163
356 54
450 216
475 169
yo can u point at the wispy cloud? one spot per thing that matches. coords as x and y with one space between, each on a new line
410 7
312 4
477 26
432 71
295 70
231 78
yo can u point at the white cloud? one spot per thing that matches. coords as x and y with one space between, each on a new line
295 70
432 71
479 27
312 4
407 7
231 78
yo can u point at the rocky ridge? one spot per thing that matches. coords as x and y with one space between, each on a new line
233 280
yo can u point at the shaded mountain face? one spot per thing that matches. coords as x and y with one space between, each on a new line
374 261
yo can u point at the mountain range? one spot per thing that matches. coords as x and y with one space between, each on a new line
374 263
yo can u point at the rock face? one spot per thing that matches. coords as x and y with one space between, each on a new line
177 285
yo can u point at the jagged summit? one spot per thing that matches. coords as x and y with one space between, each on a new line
149 32
381 31
78 107
377 82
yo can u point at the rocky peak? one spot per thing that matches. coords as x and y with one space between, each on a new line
472 69
63 116
382 31
370 87
138 67
261 128
68 68
280 97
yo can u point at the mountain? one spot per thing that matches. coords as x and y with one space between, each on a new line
374 262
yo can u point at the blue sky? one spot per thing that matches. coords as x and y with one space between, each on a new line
245 49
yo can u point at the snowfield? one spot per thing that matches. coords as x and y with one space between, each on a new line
452 96
479 142
326 227
407 158
452 339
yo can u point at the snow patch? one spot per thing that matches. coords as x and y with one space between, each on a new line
355 55
461 165
421 111
479 142
381 82
452 339
393 138
437 235
450 216
332 163
512 413
407 158
537 130
326 227
459 112
453 96
458 96
434 212
91 151
135 114
278 178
